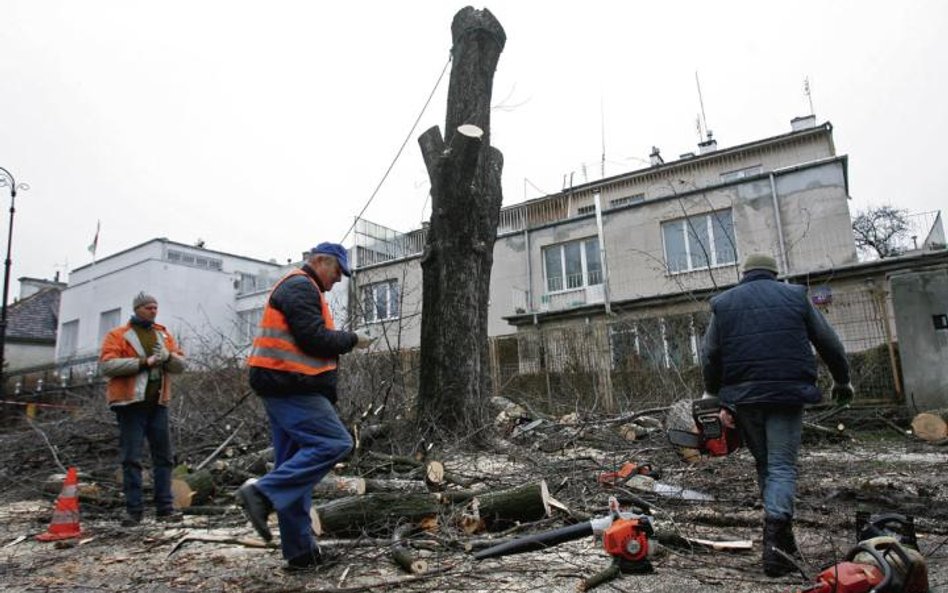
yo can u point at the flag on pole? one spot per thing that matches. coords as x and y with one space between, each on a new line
95 240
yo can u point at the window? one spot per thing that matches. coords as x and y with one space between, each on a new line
740 173
380 301
251 283
586 209
108 320
699 242
627 200
572 265
247 322
69 338
189 259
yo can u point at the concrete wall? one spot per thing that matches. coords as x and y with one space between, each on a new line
920 299
19 355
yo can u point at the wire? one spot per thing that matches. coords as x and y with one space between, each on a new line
400 149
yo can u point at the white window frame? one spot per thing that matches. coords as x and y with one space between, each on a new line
108 320
584 264
708 220
386 292
69 338
247 323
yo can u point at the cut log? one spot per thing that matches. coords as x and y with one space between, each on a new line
192 489
931 425
403 556
528 502
394 485
372 513
333 486
434 476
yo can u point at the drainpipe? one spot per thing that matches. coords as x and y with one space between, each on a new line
602 254
526 241
783 247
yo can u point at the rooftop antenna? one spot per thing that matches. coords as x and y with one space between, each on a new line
602 128
809 94
704 120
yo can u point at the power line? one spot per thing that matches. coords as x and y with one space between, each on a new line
400 149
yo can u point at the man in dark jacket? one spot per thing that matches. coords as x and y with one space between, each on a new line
293 369
757 358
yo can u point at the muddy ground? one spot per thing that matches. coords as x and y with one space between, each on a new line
879 471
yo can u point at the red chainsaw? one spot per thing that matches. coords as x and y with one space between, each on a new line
887 560
711 436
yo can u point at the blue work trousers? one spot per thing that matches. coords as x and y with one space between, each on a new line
138 422
772 434
308 440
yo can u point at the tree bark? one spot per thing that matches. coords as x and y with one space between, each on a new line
466 196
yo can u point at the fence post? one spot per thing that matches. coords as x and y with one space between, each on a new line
881 302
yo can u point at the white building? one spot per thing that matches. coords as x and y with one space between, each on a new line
207 299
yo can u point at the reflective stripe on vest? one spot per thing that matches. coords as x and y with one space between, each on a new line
274 347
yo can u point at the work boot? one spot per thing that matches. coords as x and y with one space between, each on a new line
132 519
307 561
256 506
775 564
785 539
169 516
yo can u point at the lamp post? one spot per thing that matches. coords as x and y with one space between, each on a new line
7 180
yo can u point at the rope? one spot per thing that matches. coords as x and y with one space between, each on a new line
400 149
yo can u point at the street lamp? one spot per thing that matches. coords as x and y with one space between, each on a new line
7 180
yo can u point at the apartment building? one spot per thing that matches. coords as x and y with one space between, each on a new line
638 239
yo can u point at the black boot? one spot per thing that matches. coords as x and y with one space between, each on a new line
778 534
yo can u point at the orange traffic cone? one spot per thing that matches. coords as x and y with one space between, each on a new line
65 524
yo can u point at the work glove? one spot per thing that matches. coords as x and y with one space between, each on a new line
364 341
843 394
161 351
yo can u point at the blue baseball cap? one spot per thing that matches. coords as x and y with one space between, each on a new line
336 250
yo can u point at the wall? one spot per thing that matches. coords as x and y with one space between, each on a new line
917 298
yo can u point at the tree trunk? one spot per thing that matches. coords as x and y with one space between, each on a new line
466 196
931 425
192 489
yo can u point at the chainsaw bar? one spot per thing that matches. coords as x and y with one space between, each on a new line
684 438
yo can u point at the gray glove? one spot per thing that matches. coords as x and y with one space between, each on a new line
161 351
843 394
364 341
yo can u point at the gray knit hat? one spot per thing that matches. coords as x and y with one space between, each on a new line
142 299
760 261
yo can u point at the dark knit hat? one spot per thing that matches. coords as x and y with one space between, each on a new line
142 299
760 261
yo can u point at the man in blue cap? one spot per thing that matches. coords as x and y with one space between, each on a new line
293 369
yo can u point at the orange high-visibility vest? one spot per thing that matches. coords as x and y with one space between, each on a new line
274 347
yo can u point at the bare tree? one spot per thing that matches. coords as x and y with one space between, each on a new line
878 230
466 196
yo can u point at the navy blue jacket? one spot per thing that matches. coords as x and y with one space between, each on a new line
757 346
298 300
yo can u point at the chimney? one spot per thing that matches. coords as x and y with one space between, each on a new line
709 145
655 158
803 123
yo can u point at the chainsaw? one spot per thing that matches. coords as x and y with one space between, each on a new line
712 437
626 536
887 561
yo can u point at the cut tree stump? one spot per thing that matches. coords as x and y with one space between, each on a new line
931 426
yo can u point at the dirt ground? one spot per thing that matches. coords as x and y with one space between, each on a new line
874 472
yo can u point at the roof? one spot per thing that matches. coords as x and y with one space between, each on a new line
34 318
177 244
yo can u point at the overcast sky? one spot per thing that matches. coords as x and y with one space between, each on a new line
264 127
